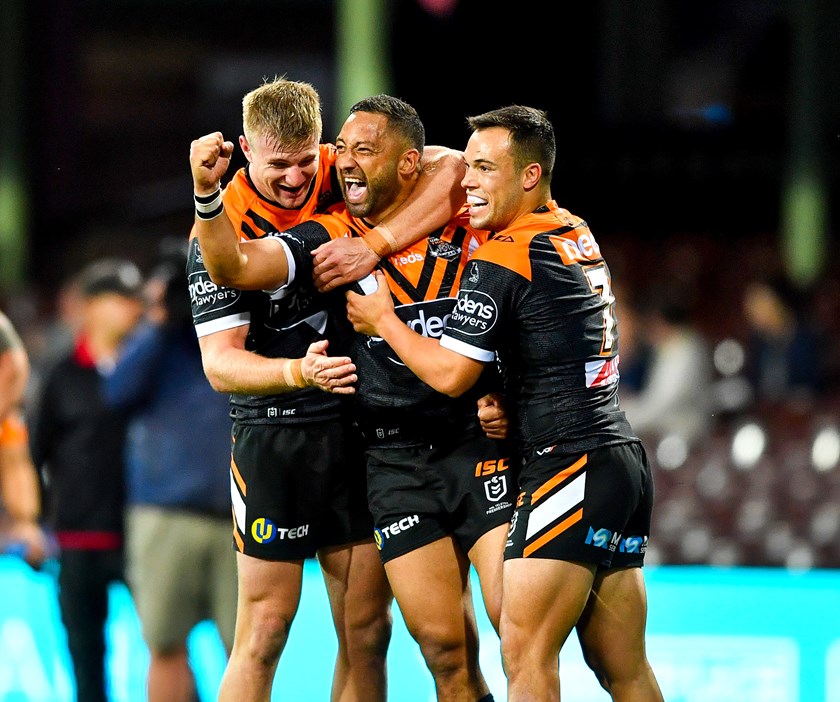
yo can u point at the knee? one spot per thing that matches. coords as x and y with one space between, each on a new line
597 666
446 656
265 637
369 632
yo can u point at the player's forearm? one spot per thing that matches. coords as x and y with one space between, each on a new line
14 373
19 484
220 249
435 199
424 356
243 372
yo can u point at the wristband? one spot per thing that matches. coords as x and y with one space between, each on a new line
292 373
209 206
381 241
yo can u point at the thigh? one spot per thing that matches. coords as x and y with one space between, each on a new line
431 586
486 556
268 590
612 627
356 584
543 600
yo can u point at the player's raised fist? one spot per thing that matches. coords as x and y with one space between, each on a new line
209 160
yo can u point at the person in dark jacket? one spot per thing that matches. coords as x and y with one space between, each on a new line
78 444
180 562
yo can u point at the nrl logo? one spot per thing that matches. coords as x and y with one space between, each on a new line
495 488
443 249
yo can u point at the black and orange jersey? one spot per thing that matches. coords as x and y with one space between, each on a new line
539 295
423 279
282 324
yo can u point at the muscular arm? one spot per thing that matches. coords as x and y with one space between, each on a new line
435 199
231 368
444 370
252 265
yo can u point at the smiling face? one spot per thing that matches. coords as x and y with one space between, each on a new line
369 157
280 175
493 182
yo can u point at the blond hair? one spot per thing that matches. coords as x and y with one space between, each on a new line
286 111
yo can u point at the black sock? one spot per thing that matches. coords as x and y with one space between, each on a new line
487 698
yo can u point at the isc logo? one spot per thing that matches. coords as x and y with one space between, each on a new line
490 467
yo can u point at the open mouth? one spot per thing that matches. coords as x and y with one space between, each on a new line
475 204
355 190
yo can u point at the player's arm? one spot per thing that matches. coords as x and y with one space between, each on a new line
231 368
20 493
256 265
14 367
444 370
435 199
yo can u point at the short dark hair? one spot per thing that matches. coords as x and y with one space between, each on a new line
531 134
402 116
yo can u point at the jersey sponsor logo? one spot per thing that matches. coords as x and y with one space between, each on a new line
546 450
490 467
633 544
600 373
265 531
385 533
204 292
429 326
475 312
506 238
603 538
574 250
496 488
443 249
406 259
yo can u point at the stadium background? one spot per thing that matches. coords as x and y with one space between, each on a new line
699 140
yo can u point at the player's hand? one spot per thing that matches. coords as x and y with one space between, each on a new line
209 160
493 417
341 261
366 311
32 541
335 374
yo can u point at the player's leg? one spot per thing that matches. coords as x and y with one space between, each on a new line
543 600
486 556
612 635
269 594
432 587
612 627
360 600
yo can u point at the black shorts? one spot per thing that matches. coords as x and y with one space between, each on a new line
297 488
419 495
592 508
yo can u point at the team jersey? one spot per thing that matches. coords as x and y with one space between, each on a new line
281 324
423 279
539 295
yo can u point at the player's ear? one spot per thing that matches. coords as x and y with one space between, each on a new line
246 147
409 162
531 175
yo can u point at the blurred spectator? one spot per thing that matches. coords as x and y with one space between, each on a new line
20 492
78 444
675 395
783 348
180 560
